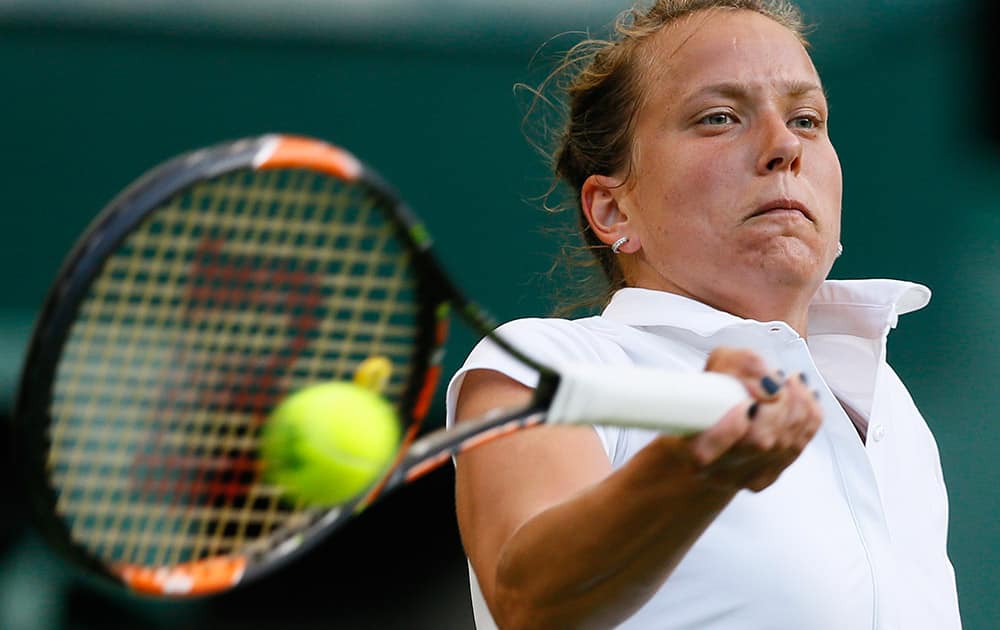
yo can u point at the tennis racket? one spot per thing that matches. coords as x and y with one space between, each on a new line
204 293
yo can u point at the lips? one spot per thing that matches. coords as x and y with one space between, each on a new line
782 205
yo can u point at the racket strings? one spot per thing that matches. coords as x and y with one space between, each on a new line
228 297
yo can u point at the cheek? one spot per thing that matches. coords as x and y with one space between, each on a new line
698 182
708 198
831 178
687 196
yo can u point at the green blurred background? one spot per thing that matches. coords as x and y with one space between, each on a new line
92 93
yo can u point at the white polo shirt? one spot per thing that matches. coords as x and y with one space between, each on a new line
852 535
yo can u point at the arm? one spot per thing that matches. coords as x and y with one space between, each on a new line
557 539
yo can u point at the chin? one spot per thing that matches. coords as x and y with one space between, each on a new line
794 265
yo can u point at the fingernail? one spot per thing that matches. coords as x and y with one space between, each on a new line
802 377
816 394
781 374
752 410
770 385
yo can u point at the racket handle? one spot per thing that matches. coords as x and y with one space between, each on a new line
673 402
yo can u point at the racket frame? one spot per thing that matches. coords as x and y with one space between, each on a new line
437 294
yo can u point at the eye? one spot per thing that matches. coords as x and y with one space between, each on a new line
807 123
716 119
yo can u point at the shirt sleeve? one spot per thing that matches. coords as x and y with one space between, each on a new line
550 342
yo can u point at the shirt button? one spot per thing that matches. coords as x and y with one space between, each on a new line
878 432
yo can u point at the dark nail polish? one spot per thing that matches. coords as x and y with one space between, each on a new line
752 411
782 375
816 394
770 385
802 377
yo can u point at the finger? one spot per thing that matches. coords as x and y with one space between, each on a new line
785 429
779 421
708 445
805 412
735 445
761 381
762 480
774 433
737 467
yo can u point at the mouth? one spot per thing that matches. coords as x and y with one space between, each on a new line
782 206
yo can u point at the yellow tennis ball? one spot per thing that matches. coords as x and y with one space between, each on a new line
328 443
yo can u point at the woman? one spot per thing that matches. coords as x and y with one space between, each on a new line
697 145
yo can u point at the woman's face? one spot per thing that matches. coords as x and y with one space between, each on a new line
736 187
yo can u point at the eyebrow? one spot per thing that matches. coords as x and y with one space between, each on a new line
738 90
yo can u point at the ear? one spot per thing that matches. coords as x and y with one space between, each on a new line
599 199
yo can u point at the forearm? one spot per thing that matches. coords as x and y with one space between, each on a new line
595 558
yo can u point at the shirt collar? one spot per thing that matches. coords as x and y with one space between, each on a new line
864 308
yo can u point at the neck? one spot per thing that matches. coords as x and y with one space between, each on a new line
766 302
793 310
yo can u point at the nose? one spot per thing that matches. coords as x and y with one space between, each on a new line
781 148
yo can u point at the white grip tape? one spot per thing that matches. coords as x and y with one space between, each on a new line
673 402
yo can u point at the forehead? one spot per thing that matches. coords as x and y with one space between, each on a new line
720 46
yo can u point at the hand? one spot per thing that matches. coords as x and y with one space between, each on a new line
754 442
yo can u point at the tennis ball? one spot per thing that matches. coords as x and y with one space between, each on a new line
327 443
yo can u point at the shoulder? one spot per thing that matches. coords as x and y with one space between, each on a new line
549 341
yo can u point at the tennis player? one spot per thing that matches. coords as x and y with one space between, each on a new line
697 144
